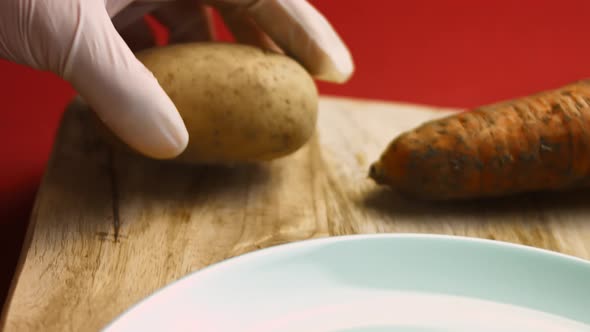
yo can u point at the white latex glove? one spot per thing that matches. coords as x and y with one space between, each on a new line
90 43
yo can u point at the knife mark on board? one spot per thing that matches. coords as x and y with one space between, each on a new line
114 194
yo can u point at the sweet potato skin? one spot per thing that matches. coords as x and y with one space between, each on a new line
535 143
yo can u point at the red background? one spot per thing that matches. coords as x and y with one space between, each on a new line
450 53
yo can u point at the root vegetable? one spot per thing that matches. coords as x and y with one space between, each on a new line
535 143
239 103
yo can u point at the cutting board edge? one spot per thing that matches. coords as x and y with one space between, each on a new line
30 230
383 102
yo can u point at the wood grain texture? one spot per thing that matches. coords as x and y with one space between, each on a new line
176 219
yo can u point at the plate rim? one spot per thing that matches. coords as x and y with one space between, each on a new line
319 241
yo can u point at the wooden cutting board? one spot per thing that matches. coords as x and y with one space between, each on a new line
171 220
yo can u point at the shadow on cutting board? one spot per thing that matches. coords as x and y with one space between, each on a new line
385 200
309 194
89 184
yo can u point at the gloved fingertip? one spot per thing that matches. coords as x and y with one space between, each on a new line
340 67
304 33
131 103
152 125
170 142
124 93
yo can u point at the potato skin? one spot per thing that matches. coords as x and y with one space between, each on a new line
239 103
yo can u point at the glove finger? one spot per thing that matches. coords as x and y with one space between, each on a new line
244 29
186 20
305 34
124 94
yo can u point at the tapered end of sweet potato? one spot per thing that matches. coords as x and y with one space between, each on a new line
391 168
416 163
376 173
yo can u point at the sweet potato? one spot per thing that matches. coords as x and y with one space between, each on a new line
538 143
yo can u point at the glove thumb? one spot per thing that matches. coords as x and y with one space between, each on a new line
124 94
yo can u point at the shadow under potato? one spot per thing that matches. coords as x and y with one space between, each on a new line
171 180
91 184
135 173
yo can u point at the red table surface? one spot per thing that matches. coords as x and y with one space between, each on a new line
450 53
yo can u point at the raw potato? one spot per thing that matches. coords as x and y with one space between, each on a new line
239 103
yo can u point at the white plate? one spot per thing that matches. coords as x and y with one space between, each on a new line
376 283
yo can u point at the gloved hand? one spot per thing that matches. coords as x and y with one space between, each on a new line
90 43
